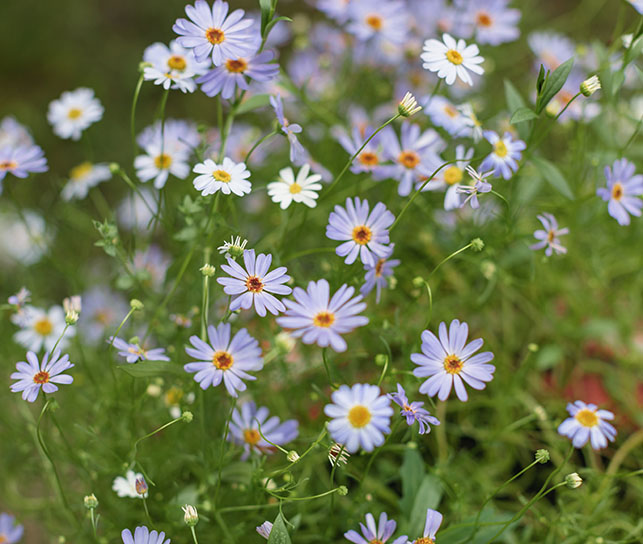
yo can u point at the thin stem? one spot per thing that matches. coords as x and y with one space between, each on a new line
135 446
205 296
147 512
137 91
166 93
93 522
435 91
60 338
194 535
258 143
381 378
441 435
132 310
446 259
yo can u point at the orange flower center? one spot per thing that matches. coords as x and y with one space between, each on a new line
215 35
424 540
254 284
451 111
452 175
452 364
41 377
222 360
359 416
177 62
550 236
368 158
454 57
378 267
7 165
362 235
587 418
221 175
43 327
484 19
324 319
74 113
375 22
162 161
408 159
251 436
236 65
617 191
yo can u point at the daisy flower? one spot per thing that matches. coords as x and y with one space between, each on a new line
447 361
491 21
21 160
431 526
445 114
244 430
377 275
413 411
224 359
126 486
213 32
10 531
289 188
172 67
24 238
551 49
362 233
176 135
42 328
232 74
133 352
83 177
142 535
587 422
480 185
371 532
451 59
623 191
255 284
319 320
73 112
227 177
451 177
159 161
297 152
414 155
360 416
549 236
506 152
371 157
34 375
13 134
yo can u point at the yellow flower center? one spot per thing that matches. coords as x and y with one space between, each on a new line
454 57
452 364
551 235
453 175
375 22
254 284
587 418
378 267
7 165
359 416
295 188
451 111
74 113
3 539
484 19
222 360
251 436
500 149
215 35
43 327
177 62
79 172
408 159
221 175
40 377
173 396
362 235
375 541
368 158
162 161
424 540
236 65
324 319
617 191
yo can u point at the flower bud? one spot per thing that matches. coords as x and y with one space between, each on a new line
380 359
207 270
71 317
141 486
418 281
72 304
590 86
477 244
187 416
136 304
191 516
342 490
408 106
573 480
114 168
90 501
542 456
337 455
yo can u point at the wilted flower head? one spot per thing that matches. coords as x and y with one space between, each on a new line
337 455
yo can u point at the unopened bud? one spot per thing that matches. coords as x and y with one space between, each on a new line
136 304
72 304
141 486
380 359
71 317
418 281
408 106
342 490
573 480
207 270
187 416
477 244
542 456
590 86
114 168
292 456
90 501
191 516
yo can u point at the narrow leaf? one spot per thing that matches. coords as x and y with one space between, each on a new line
523 114
147 369
552 175
279 533
252 103
428 496
542 75
411 473
553 84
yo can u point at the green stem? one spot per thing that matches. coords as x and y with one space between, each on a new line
194 535
446 259
205 296
137 91
376 452
132 310
147 513
258 143
135 446
60 338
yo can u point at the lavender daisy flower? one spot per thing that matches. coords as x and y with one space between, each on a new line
370 158
224 359
22 160
10 531
360 416
320 321
371 532
551 49
549 237
448 362
232 74
503 160
133 352
20 299
36 375
479 186
588 423
443 113
244 430
254 284
211 31
413 411
142 535
298 154
431 526
622 192
415 155
491 21
376 276
13 134
363 234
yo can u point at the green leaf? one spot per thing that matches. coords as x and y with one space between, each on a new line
514 100
554 83
275 21
552 175
279 533
266 12
542 75
252 103
428 496
411 472
523 114
148 369
634 51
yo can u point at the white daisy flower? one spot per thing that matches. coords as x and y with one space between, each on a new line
289 189
172 67
73 112
451 59
23 239
83 177
126 486
159 162
228 177
42 328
